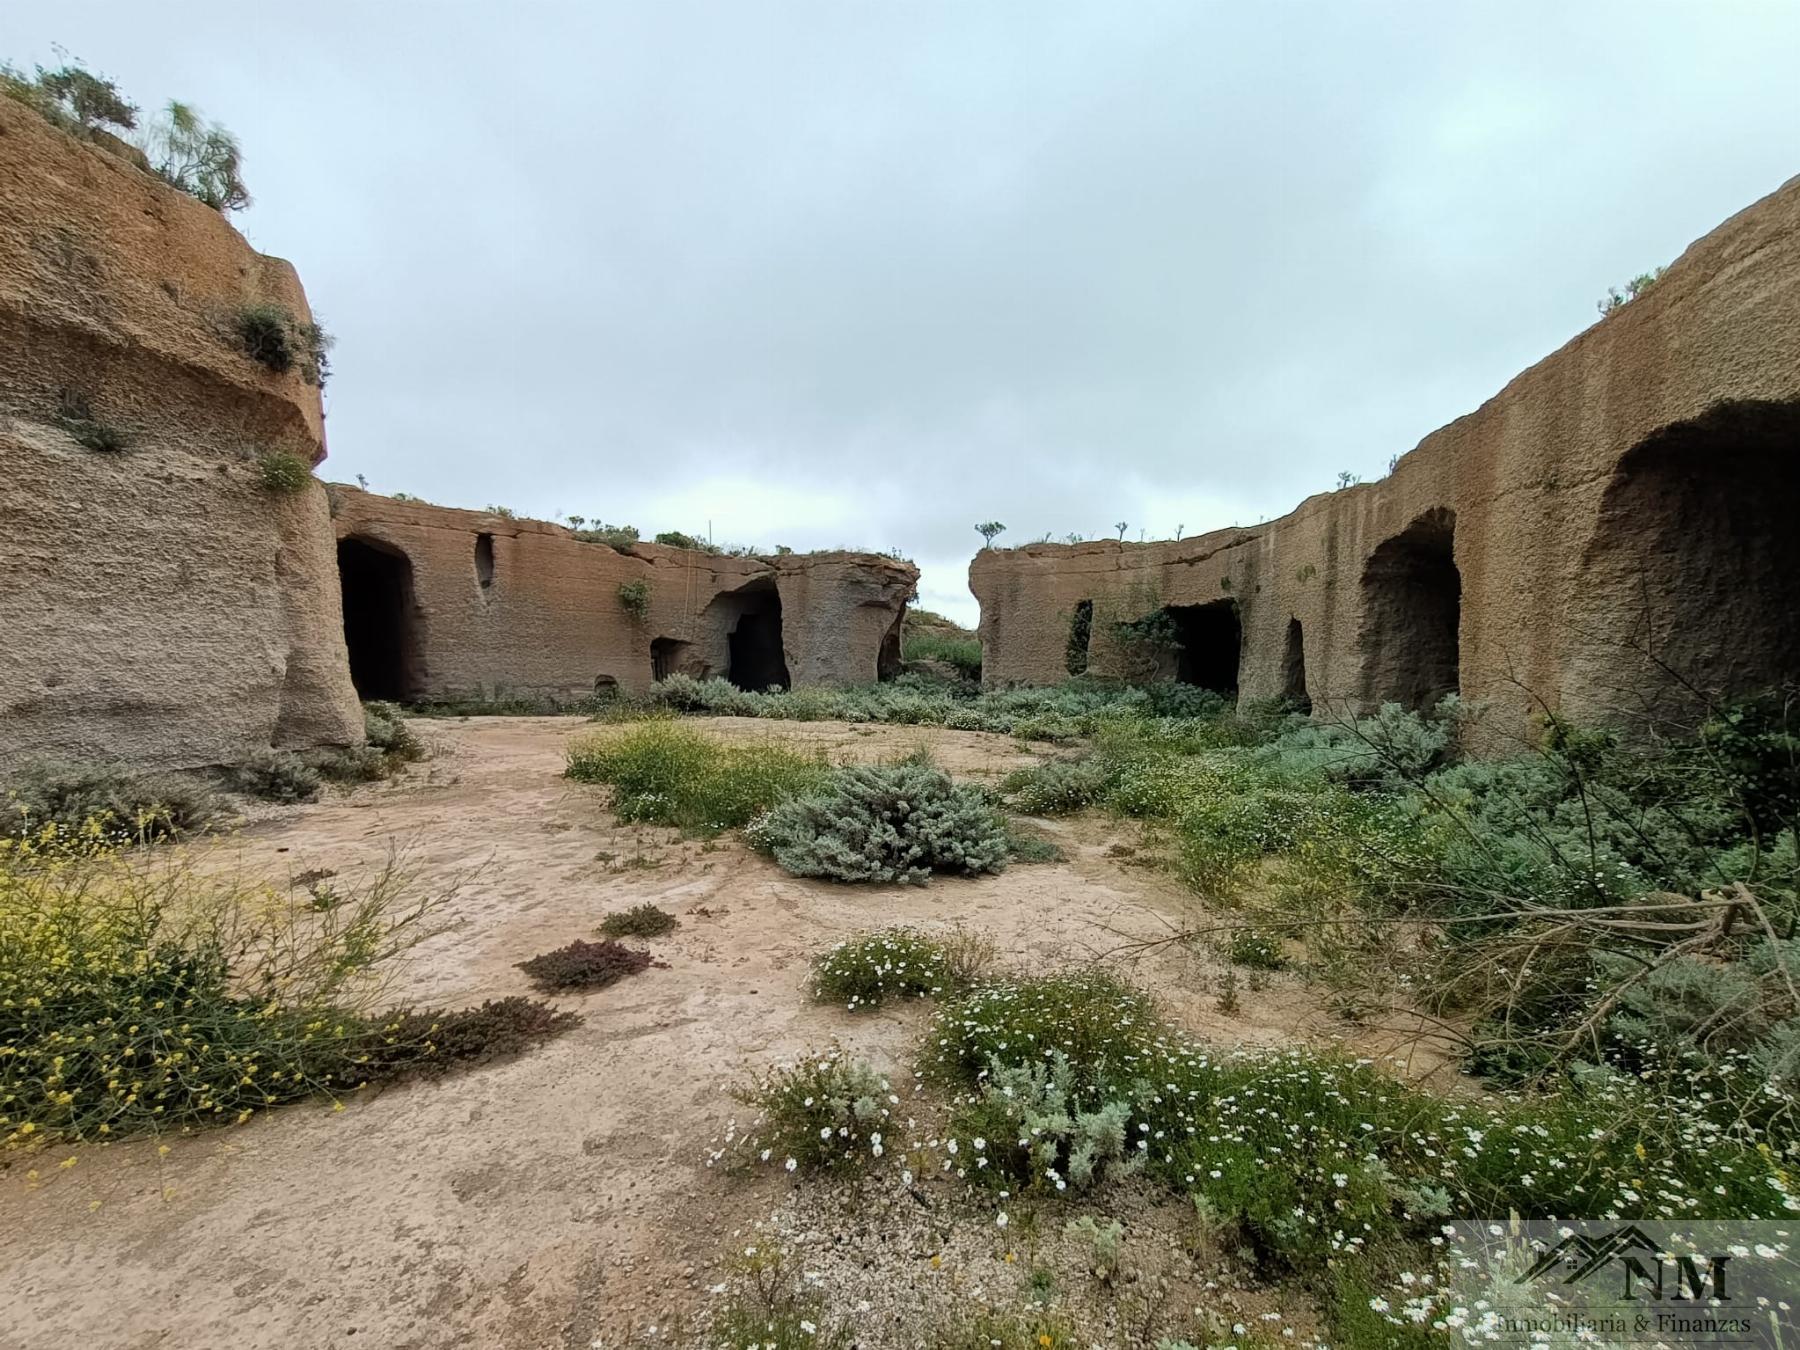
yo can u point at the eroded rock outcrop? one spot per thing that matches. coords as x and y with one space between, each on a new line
452 604
159 603
1617 520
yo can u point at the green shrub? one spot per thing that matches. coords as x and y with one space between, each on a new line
1088 1015
772 1311
899 962
1040 1329
114 800
668 774
585 965
885 824
354 764
277 776
74 99
1615 299
823 1111
1056 787
644 921
385 728
677 539
283 472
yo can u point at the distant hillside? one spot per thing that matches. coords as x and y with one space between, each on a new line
930 640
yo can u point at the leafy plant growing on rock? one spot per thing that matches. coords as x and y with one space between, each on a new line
274 336
70 97
199 157
886 824
283 472
1615 299
75 413
634 598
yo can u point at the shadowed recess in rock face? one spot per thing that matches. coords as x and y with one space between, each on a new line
1690 586
1293 670
379 620
1412 609
756 659
1212 640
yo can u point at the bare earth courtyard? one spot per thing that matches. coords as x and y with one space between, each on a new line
561 1198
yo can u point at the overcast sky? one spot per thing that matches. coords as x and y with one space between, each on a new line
866 273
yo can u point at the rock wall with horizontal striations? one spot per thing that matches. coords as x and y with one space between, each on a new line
1613 531
159 604
442 603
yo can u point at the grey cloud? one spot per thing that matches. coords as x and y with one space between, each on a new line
1062 264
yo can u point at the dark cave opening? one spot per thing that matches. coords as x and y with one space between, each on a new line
1412 615
1212 640
756 659
380 623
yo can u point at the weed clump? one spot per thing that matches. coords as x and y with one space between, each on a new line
440 1041
888 824
644 921
585 965
667 774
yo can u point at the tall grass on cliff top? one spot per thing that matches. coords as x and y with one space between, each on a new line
148 992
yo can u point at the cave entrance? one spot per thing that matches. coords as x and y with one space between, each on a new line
1212 641
380 620
1412 612
755 659
1293 669
1690 587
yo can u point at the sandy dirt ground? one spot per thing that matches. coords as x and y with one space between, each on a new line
560 1199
